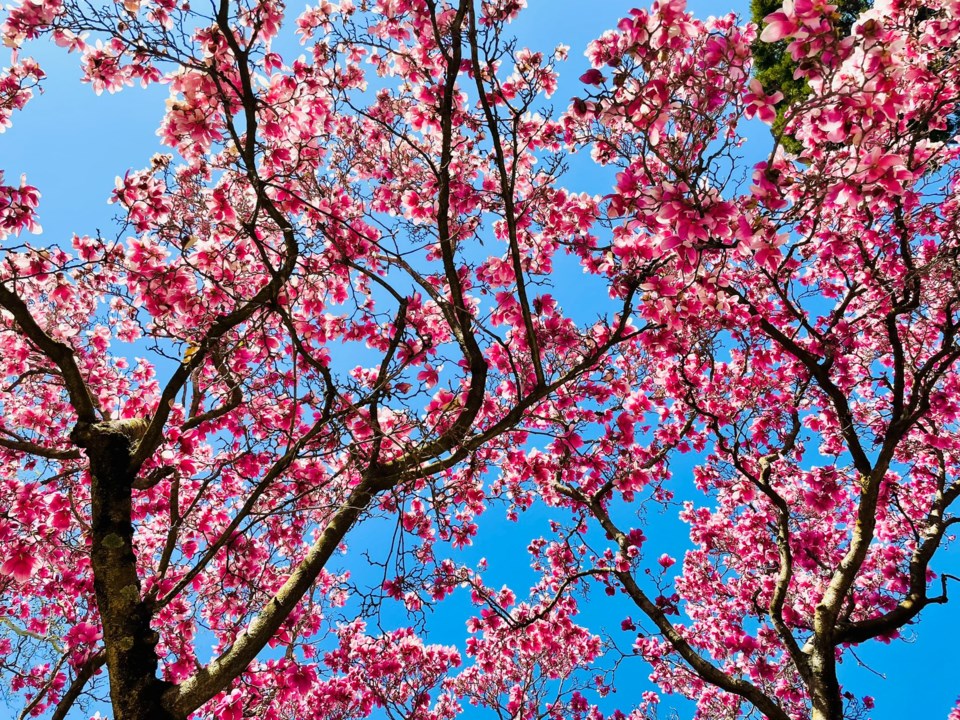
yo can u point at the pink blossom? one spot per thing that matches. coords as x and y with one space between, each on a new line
779 24
592 77
20 564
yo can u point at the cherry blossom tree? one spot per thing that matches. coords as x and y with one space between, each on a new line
359 294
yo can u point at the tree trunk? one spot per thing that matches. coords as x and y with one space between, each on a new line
827 704
128 639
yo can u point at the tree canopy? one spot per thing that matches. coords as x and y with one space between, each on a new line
360 309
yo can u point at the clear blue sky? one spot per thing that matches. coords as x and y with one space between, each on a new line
73 144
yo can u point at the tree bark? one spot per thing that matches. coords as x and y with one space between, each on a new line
825 698
129 641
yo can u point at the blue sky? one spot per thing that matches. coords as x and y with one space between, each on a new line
72 144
